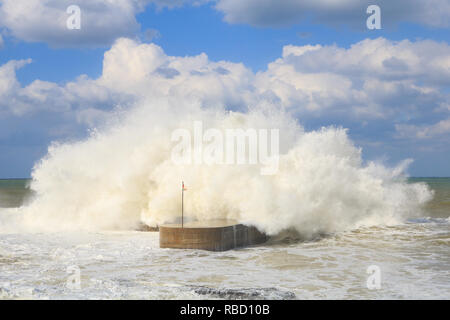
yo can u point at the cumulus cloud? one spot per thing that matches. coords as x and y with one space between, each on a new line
371 79
102 21
380 58
439 129
399 86
46 21
145 70
131 71
43 96
349 12
9 86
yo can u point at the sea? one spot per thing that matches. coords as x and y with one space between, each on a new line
410 260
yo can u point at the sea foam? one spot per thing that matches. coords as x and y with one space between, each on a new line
123 175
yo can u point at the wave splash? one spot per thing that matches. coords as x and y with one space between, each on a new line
123 175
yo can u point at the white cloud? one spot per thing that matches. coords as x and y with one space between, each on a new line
145 70
426 60
349 12
440 128
101 21
371 79
46 21
9 86
131 71
399 83
42 96
151 35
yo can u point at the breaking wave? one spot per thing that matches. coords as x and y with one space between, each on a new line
123 175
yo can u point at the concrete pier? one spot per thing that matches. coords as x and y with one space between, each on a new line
213 235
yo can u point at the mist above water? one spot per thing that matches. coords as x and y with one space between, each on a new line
123 175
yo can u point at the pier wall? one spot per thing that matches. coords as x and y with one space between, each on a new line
213 238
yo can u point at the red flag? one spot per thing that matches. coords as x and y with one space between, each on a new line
182 187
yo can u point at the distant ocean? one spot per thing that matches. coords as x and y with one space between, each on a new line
439 207
13 193
413 259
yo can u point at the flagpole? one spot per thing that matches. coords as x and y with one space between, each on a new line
182 204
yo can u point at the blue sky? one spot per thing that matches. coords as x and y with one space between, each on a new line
412 122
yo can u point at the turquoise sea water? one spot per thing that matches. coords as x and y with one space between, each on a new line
14 192
439 207
413 259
